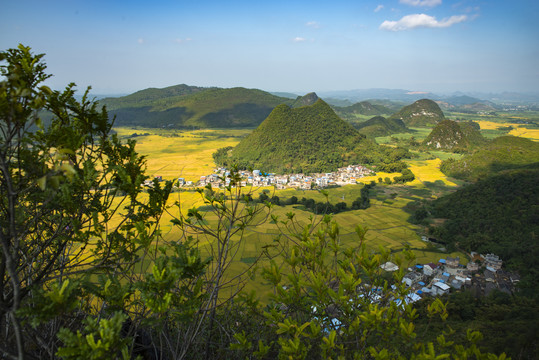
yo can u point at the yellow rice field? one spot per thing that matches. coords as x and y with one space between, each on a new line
519 129
532 134
188 155
428 170
381 174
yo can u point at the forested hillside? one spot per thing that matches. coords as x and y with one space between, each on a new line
502 153
306 139
455 136
380 126
499 215
365 108
185 106
423 112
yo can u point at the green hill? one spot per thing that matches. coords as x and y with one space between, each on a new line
422 113
502 153
454 136
306 139
189 106
380 126
366 108
363 108
305 100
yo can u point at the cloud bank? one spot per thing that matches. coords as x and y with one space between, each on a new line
298 39
378 8
421 20
426 3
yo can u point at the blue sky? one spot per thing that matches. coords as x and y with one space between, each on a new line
298 46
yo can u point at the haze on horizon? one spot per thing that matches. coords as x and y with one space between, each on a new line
300 46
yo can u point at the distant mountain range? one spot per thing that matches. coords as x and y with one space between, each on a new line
184 106
457 98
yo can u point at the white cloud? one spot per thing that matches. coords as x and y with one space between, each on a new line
378 8
421 20
140 40
427 3
299 39
313 24
181 41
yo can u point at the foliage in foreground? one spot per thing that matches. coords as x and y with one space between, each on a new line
86 273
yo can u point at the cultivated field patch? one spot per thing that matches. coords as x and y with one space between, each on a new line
428 170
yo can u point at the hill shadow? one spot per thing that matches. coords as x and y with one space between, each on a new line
143 116
240 115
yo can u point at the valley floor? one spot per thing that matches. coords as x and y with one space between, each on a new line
172 154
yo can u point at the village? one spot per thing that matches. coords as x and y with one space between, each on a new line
482 275
343 176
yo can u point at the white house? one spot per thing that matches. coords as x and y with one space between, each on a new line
440 288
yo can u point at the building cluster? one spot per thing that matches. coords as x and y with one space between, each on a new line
481 275
343 176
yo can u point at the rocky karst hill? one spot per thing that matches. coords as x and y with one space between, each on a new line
305 100
452 135
305 139
422 113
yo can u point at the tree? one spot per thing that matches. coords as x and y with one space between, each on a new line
63 220
228 213
335 302
86 274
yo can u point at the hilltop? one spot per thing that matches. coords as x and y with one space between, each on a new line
380 126
184 106
363 108
502 153
305 100
422 113
306 139
454 136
